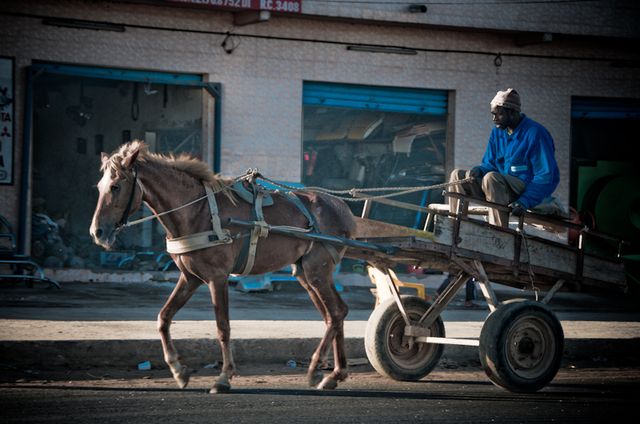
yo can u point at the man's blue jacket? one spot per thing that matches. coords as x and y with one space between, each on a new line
529 154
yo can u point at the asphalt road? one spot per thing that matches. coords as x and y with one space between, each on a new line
599 389
276 394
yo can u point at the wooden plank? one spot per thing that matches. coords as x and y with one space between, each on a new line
603 270
369 228
499 244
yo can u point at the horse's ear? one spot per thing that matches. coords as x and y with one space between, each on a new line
128 162
104 157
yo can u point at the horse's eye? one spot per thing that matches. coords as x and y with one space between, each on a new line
115 188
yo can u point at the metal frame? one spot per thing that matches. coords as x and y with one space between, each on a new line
9 256
25 261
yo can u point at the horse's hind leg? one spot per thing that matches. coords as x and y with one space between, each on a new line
315 375
318 275
181 293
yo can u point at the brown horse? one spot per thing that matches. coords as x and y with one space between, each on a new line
133 175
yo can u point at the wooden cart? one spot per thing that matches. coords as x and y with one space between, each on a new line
521 342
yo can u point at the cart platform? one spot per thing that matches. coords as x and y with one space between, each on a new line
532 251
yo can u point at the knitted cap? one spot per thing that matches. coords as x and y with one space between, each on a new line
509 99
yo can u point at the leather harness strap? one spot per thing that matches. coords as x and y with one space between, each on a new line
204 239
215 218
313 223
260 230
127 210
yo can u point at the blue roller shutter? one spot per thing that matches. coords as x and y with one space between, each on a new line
600 108
383 99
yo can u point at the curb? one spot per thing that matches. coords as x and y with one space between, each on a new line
126 354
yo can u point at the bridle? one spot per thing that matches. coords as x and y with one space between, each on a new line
125 214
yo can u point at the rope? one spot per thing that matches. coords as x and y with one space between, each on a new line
399 191
532 275
252 174
157 215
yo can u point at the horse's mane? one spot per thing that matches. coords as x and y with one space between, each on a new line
182 162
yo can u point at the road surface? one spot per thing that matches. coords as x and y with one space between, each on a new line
277 394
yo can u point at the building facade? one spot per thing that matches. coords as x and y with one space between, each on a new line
321 92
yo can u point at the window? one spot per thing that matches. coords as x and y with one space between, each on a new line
364 137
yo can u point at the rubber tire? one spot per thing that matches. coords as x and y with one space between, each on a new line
521 323
394 361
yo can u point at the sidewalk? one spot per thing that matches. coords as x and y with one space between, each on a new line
114 324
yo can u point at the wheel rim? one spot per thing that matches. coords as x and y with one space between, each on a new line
530 347
404 352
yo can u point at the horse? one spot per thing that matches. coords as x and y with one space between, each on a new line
176 185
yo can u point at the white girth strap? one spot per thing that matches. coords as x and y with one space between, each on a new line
205 239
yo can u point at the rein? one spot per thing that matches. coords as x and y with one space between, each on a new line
158 215
124 222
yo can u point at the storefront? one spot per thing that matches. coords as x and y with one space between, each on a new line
381 97
79 112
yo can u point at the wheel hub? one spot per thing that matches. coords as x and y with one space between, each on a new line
529 347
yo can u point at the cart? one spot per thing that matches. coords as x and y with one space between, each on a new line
521 341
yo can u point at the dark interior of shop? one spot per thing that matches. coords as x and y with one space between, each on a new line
74 120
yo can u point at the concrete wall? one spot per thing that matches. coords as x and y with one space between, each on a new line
262 78
614 18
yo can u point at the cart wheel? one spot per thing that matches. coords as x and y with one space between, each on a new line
389 350
521 345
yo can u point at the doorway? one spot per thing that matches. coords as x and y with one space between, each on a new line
79 112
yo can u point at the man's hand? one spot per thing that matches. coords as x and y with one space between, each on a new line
517 209
476 172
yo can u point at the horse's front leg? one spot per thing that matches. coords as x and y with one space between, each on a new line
181 293
220 297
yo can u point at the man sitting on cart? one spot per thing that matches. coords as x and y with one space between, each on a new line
518 169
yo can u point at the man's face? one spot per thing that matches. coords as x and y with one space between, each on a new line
501 117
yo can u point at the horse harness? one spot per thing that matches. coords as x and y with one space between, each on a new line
197 241
258 197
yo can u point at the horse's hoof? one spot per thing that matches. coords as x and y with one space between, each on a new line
183 377
220 387
342 376
315 378
327 383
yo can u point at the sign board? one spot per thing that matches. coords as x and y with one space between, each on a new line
288 6
7 117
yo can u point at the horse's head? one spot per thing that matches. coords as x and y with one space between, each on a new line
119 195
